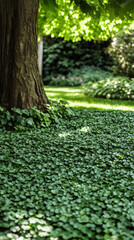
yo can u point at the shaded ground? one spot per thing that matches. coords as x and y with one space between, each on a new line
73 180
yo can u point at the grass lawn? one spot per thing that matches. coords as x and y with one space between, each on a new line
72 180
77 99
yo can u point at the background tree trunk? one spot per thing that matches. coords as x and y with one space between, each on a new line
40 54
20 82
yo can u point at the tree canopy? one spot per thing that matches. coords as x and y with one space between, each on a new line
94 19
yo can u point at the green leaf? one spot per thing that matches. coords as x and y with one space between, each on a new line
49 5
30 121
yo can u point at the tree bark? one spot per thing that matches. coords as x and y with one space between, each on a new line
20 82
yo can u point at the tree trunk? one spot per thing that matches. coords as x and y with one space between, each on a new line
20 82
40 54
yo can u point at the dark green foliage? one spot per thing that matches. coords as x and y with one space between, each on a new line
122 52
62 57
114 88
58 110
67 80
49 5
23 119
114 8
69 181
80 76
91 73
88 7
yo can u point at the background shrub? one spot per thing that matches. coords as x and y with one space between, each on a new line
67 80
113 88
122 52
80 76
62 57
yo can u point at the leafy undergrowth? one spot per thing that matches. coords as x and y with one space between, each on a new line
112 88
74 180
24 119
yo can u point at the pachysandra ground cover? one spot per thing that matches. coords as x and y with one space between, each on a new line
72 180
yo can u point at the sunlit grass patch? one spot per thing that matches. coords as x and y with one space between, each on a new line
77 99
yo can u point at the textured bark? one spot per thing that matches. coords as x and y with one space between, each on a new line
20 82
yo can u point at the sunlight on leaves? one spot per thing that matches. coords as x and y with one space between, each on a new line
64 134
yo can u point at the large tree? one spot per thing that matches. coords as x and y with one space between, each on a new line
20 82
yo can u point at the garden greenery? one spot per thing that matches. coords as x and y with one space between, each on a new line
81 75
72 180
113 88
68 80
74 20
62 57
23 119
76 99
122 53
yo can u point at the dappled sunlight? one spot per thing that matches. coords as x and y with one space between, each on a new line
77 99
64 134
30 224
101 106
85 129
62 89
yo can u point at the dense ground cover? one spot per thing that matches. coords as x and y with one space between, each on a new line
73 180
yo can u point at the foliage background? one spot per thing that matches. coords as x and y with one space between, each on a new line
81 20
62 57
122 53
